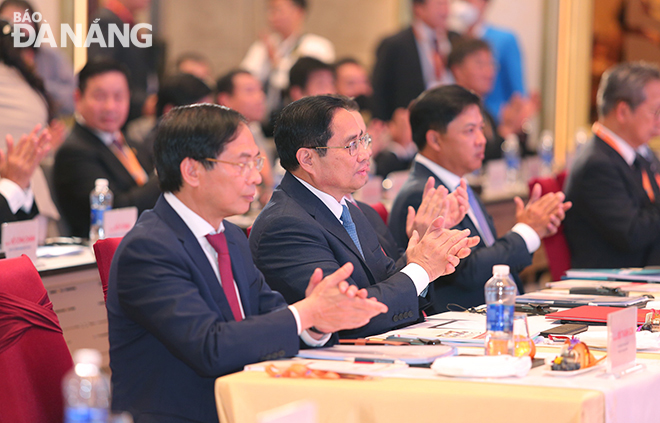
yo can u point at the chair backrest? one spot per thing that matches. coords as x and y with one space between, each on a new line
104 249
556 246
32 367
382 211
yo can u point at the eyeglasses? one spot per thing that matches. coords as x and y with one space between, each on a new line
245 167
352 148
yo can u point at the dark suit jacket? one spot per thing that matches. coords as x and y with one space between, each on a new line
296 233
171 329
397 76
81 160
465 286
386 161
6 216
612 222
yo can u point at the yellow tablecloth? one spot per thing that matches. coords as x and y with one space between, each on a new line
242 395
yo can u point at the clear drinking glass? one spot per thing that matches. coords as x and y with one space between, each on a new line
523 343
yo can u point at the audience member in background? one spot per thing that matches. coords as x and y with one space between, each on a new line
352 81
47 62
447 126
241 91
195 64
413 60
472 64
23 105
613 184
176 90
142 61
509 79
310 76
400 150
185 302
17 165
308 223
96 148
271 57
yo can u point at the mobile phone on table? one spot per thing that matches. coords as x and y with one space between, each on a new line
567 329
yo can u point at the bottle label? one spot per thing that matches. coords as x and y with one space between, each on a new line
512 161
97 216
86 415
499 317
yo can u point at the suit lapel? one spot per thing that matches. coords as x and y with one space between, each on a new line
210 289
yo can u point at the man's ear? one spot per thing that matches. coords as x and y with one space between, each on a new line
305 158
190 171
222 99
295 93
433 139
622 111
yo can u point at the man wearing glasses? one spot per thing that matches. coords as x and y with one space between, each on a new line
308 223
185 302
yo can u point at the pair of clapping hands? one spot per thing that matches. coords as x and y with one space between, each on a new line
21 159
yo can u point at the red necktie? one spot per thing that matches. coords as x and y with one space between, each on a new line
219 244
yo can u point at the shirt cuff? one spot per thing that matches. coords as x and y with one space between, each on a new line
16 197
418 275
304 335
529 235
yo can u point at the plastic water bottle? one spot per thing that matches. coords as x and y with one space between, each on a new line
500 302
511 150
86 390
100 200
546 152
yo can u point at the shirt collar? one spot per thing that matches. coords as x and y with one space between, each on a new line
450 180
106 137
197 225
627 152
336 207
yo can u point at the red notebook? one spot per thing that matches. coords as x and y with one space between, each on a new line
592 314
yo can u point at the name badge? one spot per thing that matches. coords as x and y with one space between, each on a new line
20 238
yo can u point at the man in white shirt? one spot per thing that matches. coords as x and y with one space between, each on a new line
185 302
270 58
613 184
447 125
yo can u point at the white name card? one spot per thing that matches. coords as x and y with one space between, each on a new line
621 340
117 222
20 238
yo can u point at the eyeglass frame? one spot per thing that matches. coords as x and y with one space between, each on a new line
246 167
364 140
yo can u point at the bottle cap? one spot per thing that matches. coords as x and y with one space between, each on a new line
102 182
87 356
501 270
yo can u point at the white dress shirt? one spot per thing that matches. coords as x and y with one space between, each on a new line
414 271
452 181
200 228
424 38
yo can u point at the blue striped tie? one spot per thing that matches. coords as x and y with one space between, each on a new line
347 223
482 223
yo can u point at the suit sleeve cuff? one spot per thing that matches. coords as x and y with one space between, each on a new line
529 235
418 275
304 335
16 197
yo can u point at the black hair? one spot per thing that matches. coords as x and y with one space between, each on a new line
464 48
305 123
192 56
198 131
24 6
225 83
345 61
436 108
99 66
11 56
180 90
304 68
300 3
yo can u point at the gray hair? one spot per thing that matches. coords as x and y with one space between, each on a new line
625 82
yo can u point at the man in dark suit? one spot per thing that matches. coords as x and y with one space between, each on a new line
17 165
96 148
185 301
413 60
447 127
613 184
308 223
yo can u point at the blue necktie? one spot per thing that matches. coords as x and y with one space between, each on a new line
484 228
347 223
